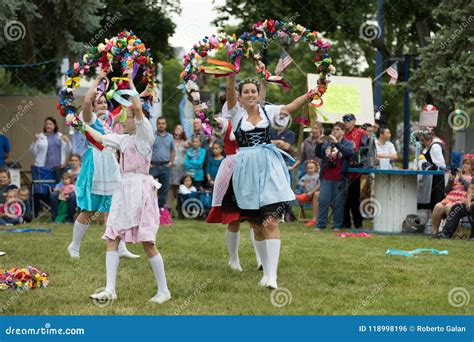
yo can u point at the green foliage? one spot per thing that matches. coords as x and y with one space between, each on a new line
171 95
57 29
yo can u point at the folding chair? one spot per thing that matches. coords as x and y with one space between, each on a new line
43 181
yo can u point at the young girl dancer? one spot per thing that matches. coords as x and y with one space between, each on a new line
99 173
134 214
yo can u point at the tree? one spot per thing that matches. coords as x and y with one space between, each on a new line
445 77
53 30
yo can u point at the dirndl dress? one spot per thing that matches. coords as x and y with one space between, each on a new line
224 212
260 181
99 175
134 213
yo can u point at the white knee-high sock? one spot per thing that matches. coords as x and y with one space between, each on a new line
122 247
233 246
252 238
112 261
158 268
261 247
77 234
273 251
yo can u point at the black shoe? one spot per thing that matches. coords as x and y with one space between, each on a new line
442 235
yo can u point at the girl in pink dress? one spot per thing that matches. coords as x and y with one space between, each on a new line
134 213
456 192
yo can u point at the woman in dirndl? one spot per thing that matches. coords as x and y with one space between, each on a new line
261 185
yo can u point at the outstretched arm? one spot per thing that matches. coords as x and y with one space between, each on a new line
137 104
230 92
90 95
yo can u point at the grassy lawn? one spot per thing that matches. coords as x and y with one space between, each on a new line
325 274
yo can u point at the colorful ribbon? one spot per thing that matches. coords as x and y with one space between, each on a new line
416 251
343 235
27 230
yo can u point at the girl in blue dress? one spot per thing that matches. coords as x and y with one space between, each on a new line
99 173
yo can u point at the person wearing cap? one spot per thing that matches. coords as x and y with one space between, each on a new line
359 139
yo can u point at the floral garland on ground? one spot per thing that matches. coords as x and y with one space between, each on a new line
23 278
263 32
125 50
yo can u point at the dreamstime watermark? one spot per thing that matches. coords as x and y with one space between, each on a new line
370 208
370 30
277 214
457 32
14 30
22 109
459 119
458 297
281 297
193 296
192 208
378 288
109 22
5 307
103 302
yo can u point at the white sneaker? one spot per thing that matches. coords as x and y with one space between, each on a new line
235 266
73 253
272 284
127 254
160 298
103 296
263 281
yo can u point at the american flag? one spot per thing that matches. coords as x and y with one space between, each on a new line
393 73
284 61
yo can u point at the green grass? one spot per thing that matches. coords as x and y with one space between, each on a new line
325 274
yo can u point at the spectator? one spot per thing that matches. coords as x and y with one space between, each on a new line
311 187
214 163
74 166
456 192
177 168
457 212
308 148
12 210
79 143
50 148
194 160
284 139
5 185
198 131
336 153
359 139
431 187
386 152
73 169
187 186
24 196
162 159
4 150
65 191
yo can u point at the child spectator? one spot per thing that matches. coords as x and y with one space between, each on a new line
12 211
310 185
193 162
213 163
24 196
186 186
65 191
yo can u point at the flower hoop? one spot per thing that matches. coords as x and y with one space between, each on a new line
262 32
125 50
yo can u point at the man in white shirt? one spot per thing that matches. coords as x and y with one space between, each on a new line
386 152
